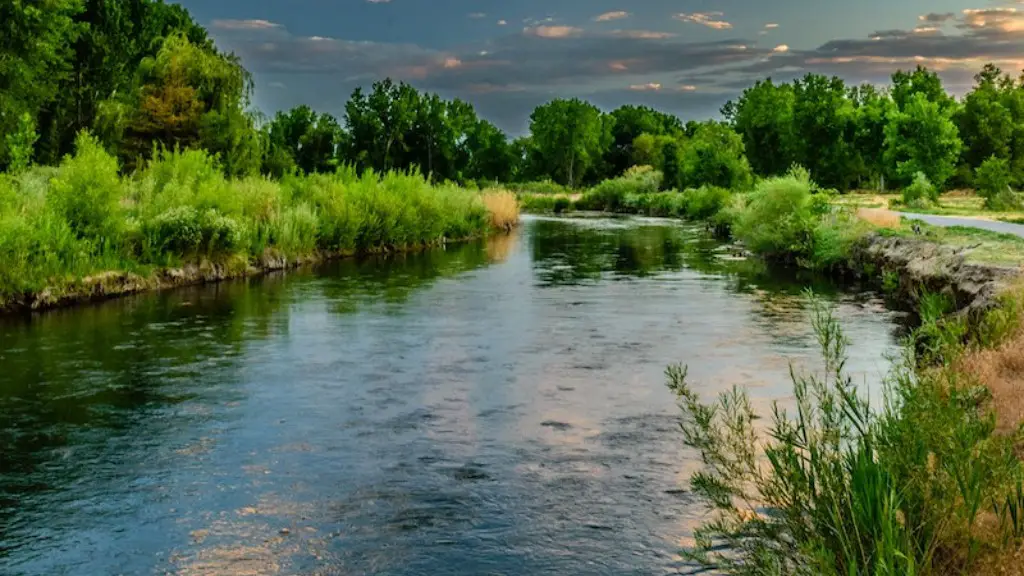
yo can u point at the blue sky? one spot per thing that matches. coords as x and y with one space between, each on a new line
683 56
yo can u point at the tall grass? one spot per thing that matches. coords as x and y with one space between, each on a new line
61 225
921 485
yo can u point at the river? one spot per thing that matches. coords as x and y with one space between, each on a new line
495 407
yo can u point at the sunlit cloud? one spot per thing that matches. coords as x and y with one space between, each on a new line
642 34
476 15
502 22
771 26
709 19
648 87
936 18
552 31
609 16
781 48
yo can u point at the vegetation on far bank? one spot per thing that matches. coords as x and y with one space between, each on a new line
59 226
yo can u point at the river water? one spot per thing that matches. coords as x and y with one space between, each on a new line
491 408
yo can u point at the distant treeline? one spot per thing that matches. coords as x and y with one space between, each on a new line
142 75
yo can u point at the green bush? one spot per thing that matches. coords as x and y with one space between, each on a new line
920 193
837 488
778 219
993 180
704 202
86 191
538 187
610 195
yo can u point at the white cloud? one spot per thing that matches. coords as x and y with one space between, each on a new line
244 25
648 87
709 19
771 26
609 16
476 15
780 48
502 22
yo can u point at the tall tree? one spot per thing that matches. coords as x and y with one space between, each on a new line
714 156
378 124
630 123
922 138
568 136
302 138
491 156
921 81
991 121
763 116
35 40
824 125
874 109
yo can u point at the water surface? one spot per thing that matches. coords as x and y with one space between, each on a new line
494 407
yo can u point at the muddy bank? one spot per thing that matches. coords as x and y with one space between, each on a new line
114 284
908 267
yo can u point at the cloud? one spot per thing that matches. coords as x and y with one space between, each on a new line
781 48
502 22
645 87
552 31
936 18
244 25
993 21
378 1
609 16
709 19
476 15
641 34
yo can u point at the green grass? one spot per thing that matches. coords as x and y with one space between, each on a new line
61 225
978 246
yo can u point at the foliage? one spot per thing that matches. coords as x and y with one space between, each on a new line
569 136
922 137
611 195
920 193
778 219
763 116
844 489
824 118
631 123
20 143
714 156
993 181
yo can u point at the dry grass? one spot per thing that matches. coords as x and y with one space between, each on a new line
1001 370
879 217
503 207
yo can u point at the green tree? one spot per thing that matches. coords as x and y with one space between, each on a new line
921 81
763 116
671 166
630 123
491 156
993 181
647 149
922 138
568 136
991 121
714 156
824 126
35 40
20 143
310 140
874 108
378 125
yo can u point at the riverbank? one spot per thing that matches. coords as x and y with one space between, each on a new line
81 232
930 482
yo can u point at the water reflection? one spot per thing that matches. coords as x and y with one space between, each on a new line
490 407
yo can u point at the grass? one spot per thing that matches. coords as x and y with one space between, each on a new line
957 203
920 485
978 246
62 228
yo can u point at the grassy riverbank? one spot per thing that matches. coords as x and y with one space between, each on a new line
930 482
80 229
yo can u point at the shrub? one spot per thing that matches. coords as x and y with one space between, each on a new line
920 193
86 191
539 187
611 194
992 180
778 221
704 202
837 488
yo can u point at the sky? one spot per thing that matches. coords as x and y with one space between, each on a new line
687 57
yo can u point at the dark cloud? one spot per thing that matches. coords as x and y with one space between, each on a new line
506 76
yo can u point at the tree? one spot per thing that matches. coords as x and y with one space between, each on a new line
491 156
20 143
114 36
922 138
824 126
630 123
714 156
921 81
991 121
874 108
378 125
648 149
308 139
187 95
671 166
34 59
763 116
567 135
993 181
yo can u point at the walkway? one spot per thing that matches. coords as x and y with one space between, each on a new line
992 225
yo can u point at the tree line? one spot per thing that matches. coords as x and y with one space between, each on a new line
142 75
